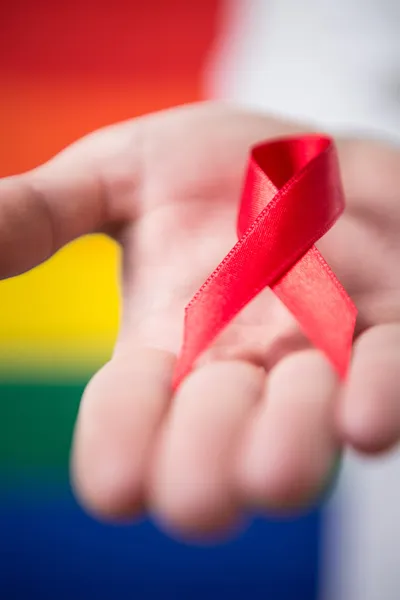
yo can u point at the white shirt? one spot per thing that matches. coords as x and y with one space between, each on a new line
333 63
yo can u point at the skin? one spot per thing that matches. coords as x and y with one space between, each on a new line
260 423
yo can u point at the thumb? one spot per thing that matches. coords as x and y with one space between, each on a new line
67 197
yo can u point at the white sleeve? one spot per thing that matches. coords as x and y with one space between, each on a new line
333 63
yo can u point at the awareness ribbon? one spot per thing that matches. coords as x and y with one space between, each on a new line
292 196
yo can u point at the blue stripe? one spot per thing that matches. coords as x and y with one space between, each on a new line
51 550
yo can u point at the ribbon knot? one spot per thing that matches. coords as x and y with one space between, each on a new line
292 196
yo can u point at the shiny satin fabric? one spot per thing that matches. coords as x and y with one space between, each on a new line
292 196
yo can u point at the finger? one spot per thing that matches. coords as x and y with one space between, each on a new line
369 410
69 196
191 485
289 448
120 412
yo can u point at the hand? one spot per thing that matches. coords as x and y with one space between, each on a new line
262 421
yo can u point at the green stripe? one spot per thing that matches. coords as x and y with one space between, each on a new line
36 424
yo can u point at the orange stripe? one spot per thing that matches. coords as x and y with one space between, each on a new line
39 117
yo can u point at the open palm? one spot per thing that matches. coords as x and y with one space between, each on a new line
262 420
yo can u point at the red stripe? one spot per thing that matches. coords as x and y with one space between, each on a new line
150 38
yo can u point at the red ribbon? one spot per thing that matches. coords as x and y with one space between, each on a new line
282 214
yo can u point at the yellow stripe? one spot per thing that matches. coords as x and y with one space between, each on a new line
64 314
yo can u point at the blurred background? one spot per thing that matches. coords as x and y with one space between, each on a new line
67 68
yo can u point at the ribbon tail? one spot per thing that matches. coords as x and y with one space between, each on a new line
321 306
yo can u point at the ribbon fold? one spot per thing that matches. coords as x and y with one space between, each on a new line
292 196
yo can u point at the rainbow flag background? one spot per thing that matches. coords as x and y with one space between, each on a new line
66 68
